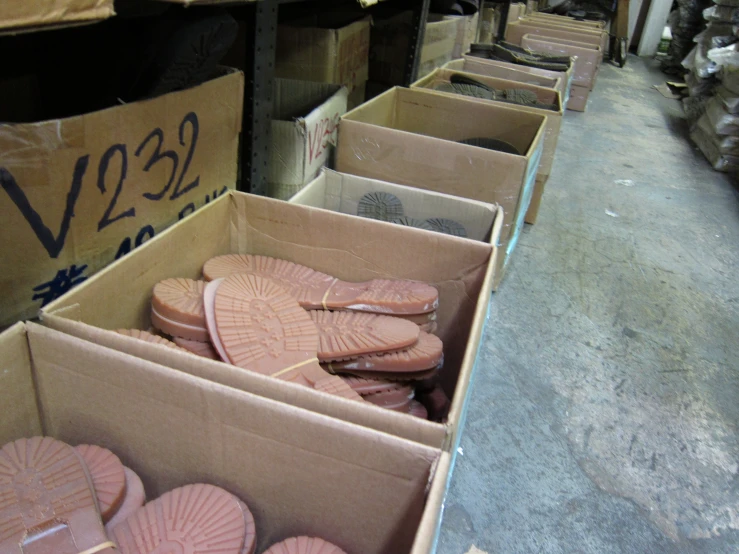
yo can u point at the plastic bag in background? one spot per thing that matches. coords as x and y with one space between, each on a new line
729 14
708 144
716 35
728 55
698 61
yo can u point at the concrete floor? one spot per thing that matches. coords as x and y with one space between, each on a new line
604 410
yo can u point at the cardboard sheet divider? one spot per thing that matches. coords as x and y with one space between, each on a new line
299 472
349 247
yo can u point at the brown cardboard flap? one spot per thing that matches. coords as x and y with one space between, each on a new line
20 415
299 472
428 530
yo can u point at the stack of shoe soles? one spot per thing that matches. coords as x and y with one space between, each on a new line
385 206
460 84
367 341
67 500
507 52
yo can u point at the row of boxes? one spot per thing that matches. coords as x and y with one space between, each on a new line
584 41
292 453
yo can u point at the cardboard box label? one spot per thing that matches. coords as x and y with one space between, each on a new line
304 132
79 193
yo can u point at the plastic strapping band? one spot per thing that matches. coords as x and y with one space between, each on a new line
325 296
98 548
294 366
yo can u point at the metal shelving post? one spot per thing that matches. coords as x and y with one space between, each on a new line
261 26
420 15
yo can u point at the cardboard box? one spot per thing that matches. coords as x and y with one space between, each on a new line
566 76
599 53
555 18
516 31
340 192
516 11
299 472
328 48
439 42
481 66
544 95
351 248
408 136
305 122
81 192
24 15
586 59
466 33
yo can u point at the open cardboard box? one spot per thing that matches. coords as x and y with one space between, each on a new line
299 472
347 247
409 137
544 95
341 192
587 57
551 133
555 18
480 66
515 32
565 76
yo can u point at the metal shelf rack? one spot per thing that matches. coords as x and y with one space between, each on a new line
261 23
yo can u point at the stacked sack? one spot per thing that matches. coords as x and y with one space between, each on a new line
713 84
689 23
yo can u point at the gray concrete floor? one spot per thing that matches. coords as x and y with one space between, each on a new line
604 410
